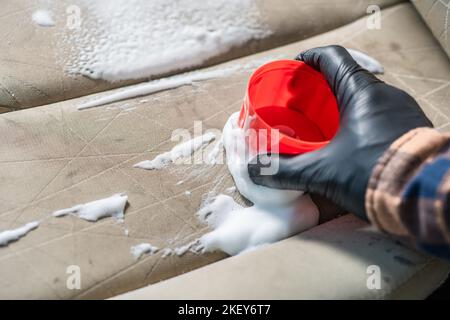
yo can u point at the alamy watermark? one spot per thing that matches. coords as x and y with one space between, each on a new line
373 21
74 19
373 281
73 281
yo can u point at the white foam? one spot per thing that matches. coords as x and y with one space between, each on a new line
8 236
134 39
182 250
43 18
146 248
238 229
238 155
143 248
230 189
366 61
181 150
166 252
157 86
113 206
212 157
275 214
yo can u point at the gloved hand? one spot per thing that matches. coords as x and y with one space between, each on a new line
373 114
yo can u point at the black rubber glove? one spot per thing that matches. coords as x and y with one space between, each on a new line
372 116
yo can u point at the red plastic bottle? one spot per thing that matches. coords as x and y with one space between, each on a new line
292 97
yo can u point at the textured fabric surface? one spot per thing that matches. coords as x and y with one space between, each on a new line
332 261
31 57
53 157
436 14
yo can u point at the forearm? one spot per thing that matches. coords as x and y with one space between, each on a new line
409 190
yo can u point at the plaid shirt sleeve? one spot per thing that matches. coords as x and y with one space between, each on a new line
409 190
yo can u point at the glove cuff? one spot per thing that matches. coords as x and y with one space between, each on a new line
395 199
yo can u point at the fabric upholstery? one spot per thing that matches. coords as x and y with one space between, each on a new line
436 14
32 67
54 156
